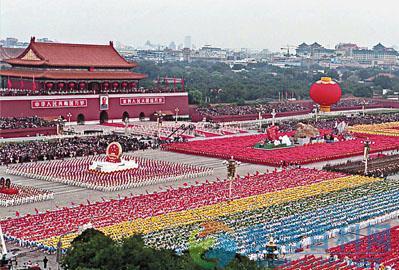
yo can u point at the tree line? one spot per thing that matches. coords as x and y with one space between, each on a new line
218 82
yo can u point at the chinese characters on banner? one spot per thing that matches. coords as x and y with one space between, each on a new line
58 103
142 100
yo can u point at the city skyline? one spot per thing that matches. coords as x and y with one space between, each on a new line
261 25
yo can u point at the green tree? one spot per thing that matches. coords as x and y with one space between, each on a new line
195 97
92 250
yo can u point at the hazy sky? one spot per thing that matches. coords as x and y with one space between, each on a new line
227 23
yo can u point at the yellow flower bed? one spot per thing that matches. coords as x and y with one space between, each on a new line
210 212
388 129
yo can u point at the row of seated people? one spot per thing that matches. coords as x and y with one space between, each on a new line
298 224
311 262
378 251
355 102
24 122
13 194
100 214
232 109
76 172
331 123
278 107
66 147
47 92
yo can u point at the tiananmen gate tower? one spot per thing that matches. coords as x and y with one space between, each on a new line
82 82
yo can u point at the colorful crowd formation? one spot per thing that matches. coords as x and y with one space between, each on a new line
297 207
379 250
242 149
76 172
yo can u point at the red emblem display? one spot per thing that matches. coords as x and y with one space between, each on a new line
114 152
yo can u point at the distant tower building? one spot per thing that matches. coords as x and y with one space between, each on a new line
172 46
187 42
10 42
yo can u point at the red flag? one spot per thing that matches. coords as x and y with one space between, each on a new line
166 82
9 84
160 188
182 85
33 84
102 198
37 211
174 83
22 83
72 203
17 213
88 202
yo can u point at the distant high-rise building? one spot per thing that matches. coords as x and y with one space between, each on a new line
10 42
172 45
187 42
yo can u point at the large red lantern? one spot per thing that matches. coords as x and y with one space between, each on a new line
49 85
115 84
61 85
105 84
71 85
124 84
325 92
82 85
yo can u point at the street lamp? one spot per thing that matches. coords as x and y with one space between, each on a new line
316 111
126 121
231 172
260 120
69 115
273 116
177 112
366 153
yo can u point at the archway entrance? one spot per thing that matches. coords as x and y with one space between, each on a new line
141 116
103 117
81 119
125 116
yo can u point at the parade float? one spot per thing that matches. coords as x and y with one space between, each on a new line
113 162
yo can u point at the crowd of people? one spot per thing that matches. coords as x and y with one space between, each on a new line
331 123
242 149
31 151
19 194
280 107
300 222
355 102
24 122
377 251
232 109
76 172
378 166
35 228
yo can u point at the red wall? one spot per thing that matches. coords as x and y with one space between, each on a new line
21 106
